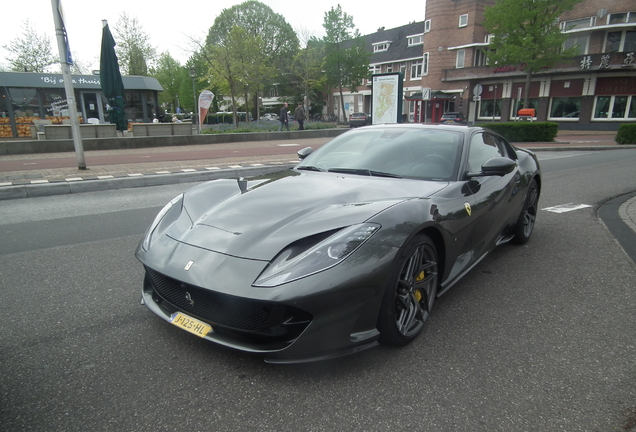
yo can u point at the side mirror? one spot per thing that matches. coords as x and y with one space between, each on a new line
303 153
497 166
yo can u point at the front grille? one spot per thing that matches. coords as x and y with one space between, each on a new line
255 317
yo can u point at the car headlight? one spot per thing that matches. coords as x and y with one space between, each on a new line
145 244
292 263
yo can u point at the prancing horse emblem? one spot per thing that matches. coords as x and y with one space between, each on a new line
468 209
189 299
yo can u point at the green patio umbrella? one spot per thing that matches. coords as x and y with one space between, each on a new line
110 77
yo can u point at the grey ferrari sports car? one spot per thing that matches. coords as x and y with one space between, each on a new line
348 250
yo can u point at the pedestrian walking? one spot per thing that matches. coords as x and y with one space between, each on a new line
299 115
283 117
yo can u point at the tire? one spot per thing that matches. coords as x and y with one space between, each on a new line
525 224
410 293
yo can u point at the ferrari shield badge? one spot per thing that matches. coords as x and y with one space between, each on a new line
468 209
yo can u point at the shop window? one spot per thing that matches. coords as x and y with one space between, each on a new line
565 107
133 107
489 109
518 104
615 108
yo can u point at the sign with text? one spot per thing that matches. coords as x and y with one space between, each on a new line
386 98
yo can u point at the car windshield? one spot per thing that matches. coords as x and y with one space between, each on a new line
427 154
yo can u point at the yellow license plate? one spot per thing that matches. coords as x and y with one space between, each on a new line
190 324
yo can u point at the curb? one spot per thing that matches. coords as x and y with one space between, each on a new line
40 188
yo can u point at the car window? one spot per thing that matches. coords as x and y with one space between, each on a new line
431 155
483 146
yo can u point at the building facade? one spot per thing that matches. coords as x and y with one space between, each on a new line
26 98
393 50
595 90
444 61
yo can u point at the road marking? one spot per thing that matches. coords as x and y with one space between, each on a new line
288 145
104 177
163 172
30 163
563 208
188 170
73 179
37 182
212 168
235 166
135 175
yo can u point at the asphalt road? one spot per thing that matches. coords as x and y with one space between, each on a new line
536 338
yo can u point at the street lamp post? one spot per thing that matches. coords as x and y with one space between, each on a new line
193 74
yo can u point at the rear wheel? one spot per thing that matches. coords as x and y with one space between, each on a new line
410 293
525 223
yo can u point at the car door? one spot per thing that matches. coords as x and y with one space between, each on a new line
491 194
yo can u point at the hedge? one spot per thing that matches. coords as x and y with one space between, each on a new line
626 134
525 131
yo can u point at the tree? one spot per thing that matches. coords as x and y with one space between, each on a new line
133 47
245 47
257 19
30 53
307 68
527 32
347 60
169 73
226 65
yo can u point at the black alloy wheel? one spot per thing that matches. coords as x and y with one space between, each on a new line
528 216
410 293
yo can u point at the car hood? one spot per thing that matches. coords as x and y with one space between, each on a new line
262 221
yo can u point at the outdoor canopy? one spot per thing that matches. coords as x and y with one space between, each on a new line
111 81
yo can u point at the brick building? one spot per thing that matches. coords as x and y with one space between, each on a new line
595 90
447 53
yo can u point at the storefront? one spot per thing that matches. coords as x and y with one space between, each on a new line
27 99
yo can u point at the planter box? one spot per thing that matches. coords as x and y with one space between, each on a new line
57 132
161 129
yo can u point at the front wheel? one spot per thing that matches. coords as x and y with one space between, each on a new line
410 293
525 223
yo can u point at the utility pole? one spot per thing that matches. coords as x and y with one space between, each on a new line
65 62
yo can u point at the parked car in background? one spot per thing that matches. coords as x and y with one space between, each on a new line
453 118
269 117
359 119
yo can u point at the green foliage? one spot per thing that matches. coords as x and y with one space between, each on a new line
257 19
524 131
133 48
347 60
527 31
31 52
626 134
169 73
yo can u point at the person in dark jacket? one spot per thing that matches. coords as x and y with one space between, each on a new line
299 115
283 117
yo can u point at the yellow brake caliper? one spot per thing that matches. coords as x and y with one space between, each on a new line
418 294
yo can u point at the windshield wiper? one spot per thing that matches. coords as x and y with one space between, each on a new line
309 168
363 171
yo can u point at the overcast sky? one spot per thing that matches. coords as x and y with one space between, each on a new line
172 25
